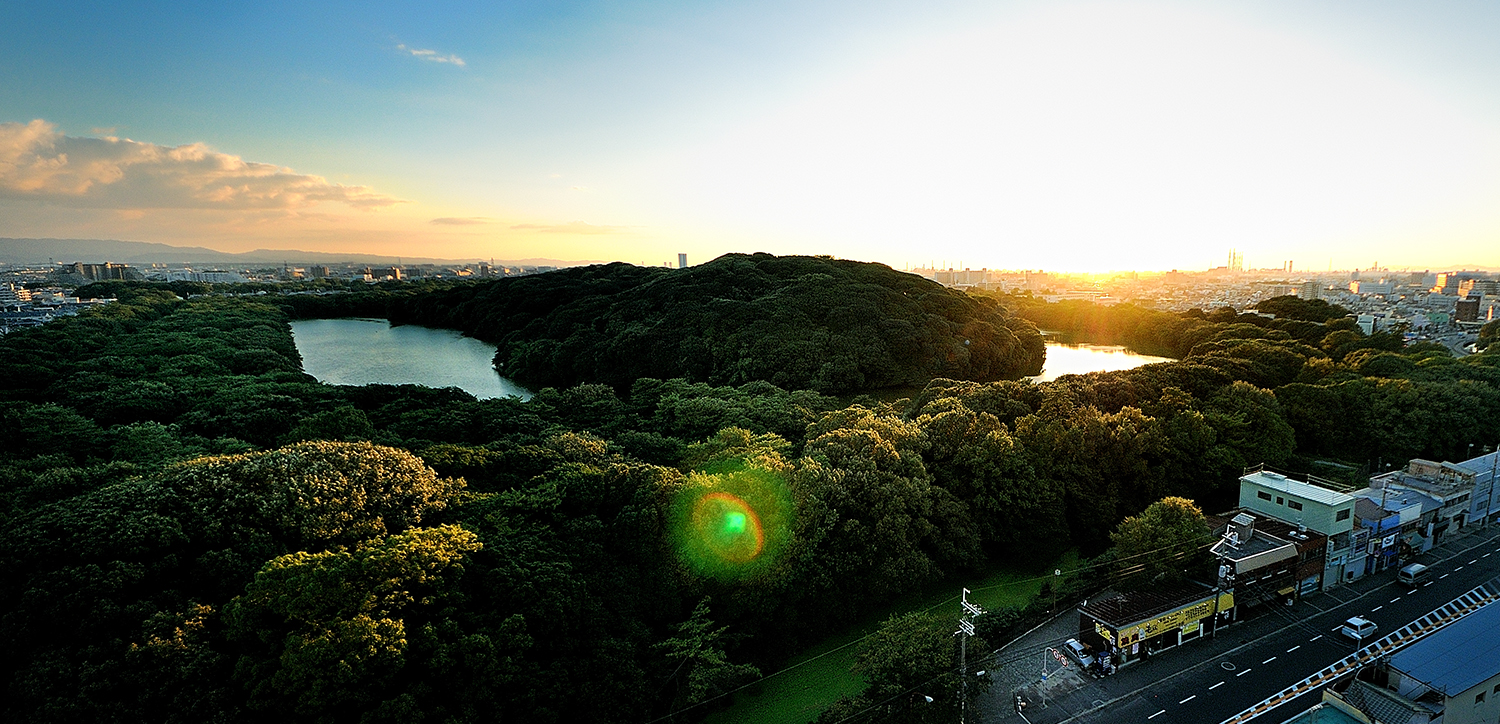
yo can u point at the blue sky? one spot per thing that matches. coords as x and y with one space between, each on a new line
1090 135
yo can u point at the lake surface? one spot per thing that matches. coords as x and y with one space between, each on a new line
1077 359
371 351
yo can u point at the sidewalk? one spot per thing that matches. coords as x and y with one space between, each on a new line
1018 667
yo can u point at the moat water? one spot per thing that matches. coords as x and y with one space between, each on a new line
1077 359
371 351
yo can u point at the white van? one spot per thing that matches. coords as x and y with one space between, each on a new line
1358 628
1414 575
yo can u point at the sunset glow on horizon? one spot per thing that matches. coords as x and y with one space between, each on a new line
1070 136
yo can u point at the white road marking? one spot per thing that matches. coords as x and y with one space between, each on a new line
1429 583
1335 628
1377 608
1246 671
1215 686
1395 599
1445 575
1476 560
1267 661
1184 701
1485 556
1294 648
1456 570
1157 714
1315 638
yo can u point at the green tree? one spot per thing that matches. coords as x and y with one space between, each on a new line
868 514
341 423
1164 544
363 634
310 495
974 457
910 666
1489 333
1311 310
703 671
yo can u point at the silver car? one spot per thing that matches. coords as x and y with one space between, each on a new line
1078 652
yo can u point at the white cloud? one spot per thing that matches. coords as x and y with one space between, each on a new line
432 55
39 162
461 220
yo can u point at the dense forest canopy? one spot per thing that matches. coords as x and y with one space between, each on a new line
798 322
192 529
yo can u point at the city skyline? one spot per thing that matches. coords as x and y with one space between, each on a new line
1070 136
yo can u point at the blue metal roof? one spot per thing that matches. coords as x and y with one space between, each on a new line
1458 657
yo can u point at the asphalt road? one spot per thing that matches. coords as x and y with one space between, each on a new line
1456 343
1211 681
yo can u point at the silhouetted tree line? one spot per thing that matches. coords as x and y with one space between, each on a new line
798 322
192 529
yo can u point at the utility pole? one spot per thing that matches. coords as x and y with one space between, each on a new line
1225 573
965 630
1489 507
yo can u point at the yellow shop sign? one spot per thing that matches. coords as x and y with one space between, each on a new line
1177 619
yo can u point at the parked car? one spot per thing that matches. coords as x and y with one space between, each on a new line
1358 628
1079 652
1414 575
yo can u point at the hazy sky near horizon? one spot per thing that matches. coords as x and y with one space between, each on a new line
1059 135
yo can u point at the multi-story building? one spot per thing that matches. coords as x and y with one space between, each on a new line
963 277
1363 287
99 272
1478 287
1466 310
1315 506
1398 524
11 294
216 276
1482 470
1264 560
1447 284
1463 491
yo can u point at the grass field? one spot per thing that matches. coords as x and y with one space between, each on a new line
807 685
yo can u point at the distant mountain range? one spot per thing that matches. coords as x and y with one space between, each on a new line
39 251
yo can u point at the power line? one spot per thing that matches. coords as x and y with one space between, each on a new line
1079 569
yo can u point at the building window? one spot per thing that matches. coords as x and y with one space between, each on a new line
1294 505
1341 515
1263 495
1279 501
1479 698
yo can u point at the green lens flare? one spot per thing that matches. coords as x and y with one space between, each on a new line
729 526
732 524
